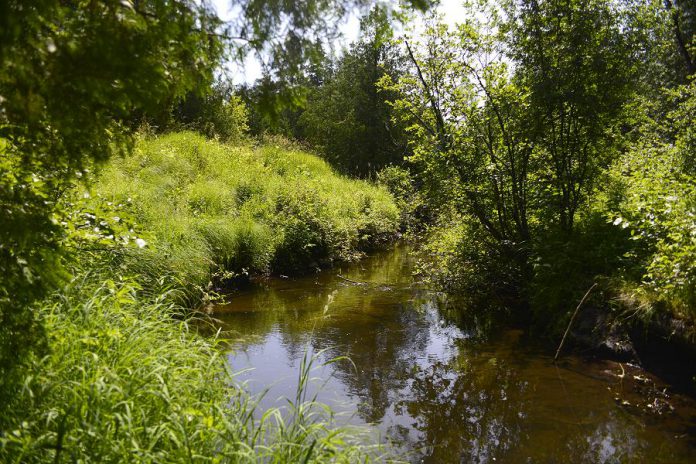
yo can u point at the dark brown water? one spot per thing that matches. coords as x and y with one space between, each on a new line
441 385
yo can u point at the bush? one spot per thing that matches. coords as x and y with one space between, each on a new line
411 203
220 114
459 258
657 204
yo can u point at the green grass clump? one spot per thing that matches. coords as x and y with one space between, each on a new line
206 208
126 379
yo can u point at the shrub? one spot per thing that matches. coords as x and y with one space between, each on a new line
459 258
401 184
657 205
218 114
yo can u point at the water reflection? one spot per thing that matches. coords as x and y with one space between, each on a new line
432 383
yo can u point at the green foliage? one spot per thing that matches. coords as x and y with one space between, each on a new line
649 28
571 57
292 39
563 269
656 203
459 257
415 211
512 117
219 113
525 162
126 373
346 118
293 33
203 208
681 119
466 128
72 75
272 110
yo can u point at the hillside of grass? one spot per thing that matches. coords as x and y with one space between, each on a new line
202 214
123 375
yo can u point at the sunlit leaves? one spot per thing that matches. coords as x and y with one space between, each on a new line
658 207
75 76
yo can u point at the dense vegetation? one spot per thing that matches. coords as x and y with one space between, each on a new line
125 372
208 209
535 148
347 118
69 98
549 143
559 153
98 357
125 381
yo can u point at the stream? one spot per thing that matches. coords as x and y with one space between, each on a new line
443 385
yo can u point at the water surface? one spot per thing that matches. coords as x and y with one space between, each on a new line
440 383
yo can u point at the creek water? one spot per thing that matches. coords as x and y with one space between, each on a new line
442 384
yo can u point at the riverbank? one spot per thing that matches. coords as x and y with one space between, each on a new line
204 214
625 318
120 372
661 342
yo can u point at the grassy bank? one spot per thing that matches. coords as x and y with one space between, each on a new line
124 381
124 376
203 213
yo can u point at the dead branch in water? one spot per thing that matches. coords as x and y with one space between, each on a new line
352 281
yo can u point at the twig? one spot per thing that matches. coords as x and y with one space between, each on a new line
351 281
570 323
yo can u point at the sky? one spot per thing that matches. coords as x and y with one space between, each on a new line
452 10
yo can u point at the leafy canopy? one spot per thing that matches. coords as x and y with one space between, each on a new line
73 75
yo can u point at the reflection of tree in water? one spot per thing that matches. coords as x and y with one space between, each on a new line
383 354
486 406
371 324
464 412
453 394
620 437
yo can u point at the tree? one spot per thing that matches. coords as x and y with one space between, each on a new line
682 16
347 117
513 115
468 128
293 34
292 37
72 75
661 38
572 58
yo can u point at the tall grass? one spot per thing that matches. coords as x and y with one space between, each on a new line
125 376
128 380
206 208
